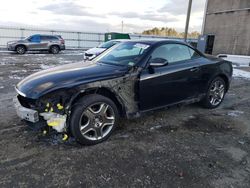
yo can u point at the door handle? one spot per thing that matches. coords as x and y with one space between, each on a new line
194 69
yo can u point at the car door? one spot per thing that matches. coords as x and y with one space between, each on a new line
34 42
44 42
170 84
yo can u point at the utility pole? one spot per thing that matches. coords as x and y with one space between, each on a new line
204 18
122 26
187 19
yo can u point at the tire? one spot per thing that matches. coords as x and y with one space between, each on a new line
93 119
54 49
21 49
215 93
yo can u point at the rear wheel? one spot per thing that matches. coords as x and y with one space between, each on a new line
215 93
93 119
54 49
21 49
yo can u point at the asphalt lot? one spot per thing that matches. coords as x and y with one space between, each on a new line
180 147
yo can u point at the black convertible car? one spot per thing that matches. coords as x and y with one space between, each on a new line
86 99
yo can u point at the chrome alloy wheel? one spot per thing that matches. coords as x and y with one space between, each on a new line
97 121
20 50
216 92
55 50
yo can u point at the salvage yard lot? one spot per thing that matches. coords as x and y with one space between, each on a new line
180 147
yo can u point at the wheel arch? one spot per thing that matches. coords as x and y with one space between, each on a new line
106 92
221 75
226 80
54 45
26 48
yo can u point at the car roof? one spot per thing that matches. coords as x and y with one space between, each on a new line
46 35
157 41
120 40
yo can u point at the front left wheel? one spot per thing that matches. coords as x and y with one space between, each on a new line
93 119
21 49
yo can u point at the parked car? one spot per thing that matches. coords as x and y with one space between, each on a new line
129 79
93 52
52 43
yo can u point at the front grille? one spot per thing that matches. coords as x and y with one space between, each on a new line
26 102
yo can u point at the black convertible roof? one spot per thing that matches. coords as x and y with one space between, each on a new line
155 41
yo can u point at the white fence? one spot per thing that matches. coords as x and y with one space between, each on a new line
73 39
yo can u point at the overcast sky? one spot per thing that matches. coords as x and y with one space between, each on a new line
101 15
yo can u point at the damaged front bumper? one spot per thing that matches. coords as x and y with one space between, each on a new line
54 120
26 113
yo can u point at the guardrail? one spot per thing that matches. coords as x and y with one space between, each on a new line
73 39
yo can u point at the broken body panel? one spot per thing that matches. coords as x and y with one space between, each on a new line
56 104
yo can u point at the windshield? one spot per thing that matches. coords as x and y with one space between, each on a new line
108 44
124 54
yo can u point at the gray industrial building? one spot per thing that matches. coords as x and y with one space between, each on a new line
228 22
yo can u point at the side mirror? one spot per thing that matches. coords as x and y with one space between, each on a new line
158 62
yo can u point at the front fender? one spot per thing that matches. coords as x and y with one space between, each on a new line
124 89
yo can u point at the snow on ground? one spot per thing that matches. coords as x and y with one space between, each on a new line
43 66
18 71
235 113
2 63
238 60
241 74
77 52
16 77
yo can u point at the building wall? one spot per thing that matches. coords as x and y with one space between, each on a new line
229 21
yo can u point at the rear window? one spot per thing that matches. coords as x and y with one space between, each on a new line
49 38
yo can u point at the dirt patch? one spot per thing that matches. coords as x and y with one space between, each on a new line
208 124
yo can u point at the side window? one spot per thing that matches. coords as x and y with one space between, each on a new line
52 38
172 53
48 38
35 38
193 54
44 38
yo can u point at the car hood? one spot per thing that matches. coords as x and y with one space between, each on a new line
15 41
67 76
95 51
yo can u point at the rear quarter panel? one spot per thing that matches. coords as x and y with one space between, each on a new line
212 67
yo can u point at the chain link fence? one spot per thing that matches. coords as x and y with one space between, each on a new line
73 39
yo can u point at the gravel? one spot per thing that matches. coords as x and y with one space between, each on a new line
180 147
